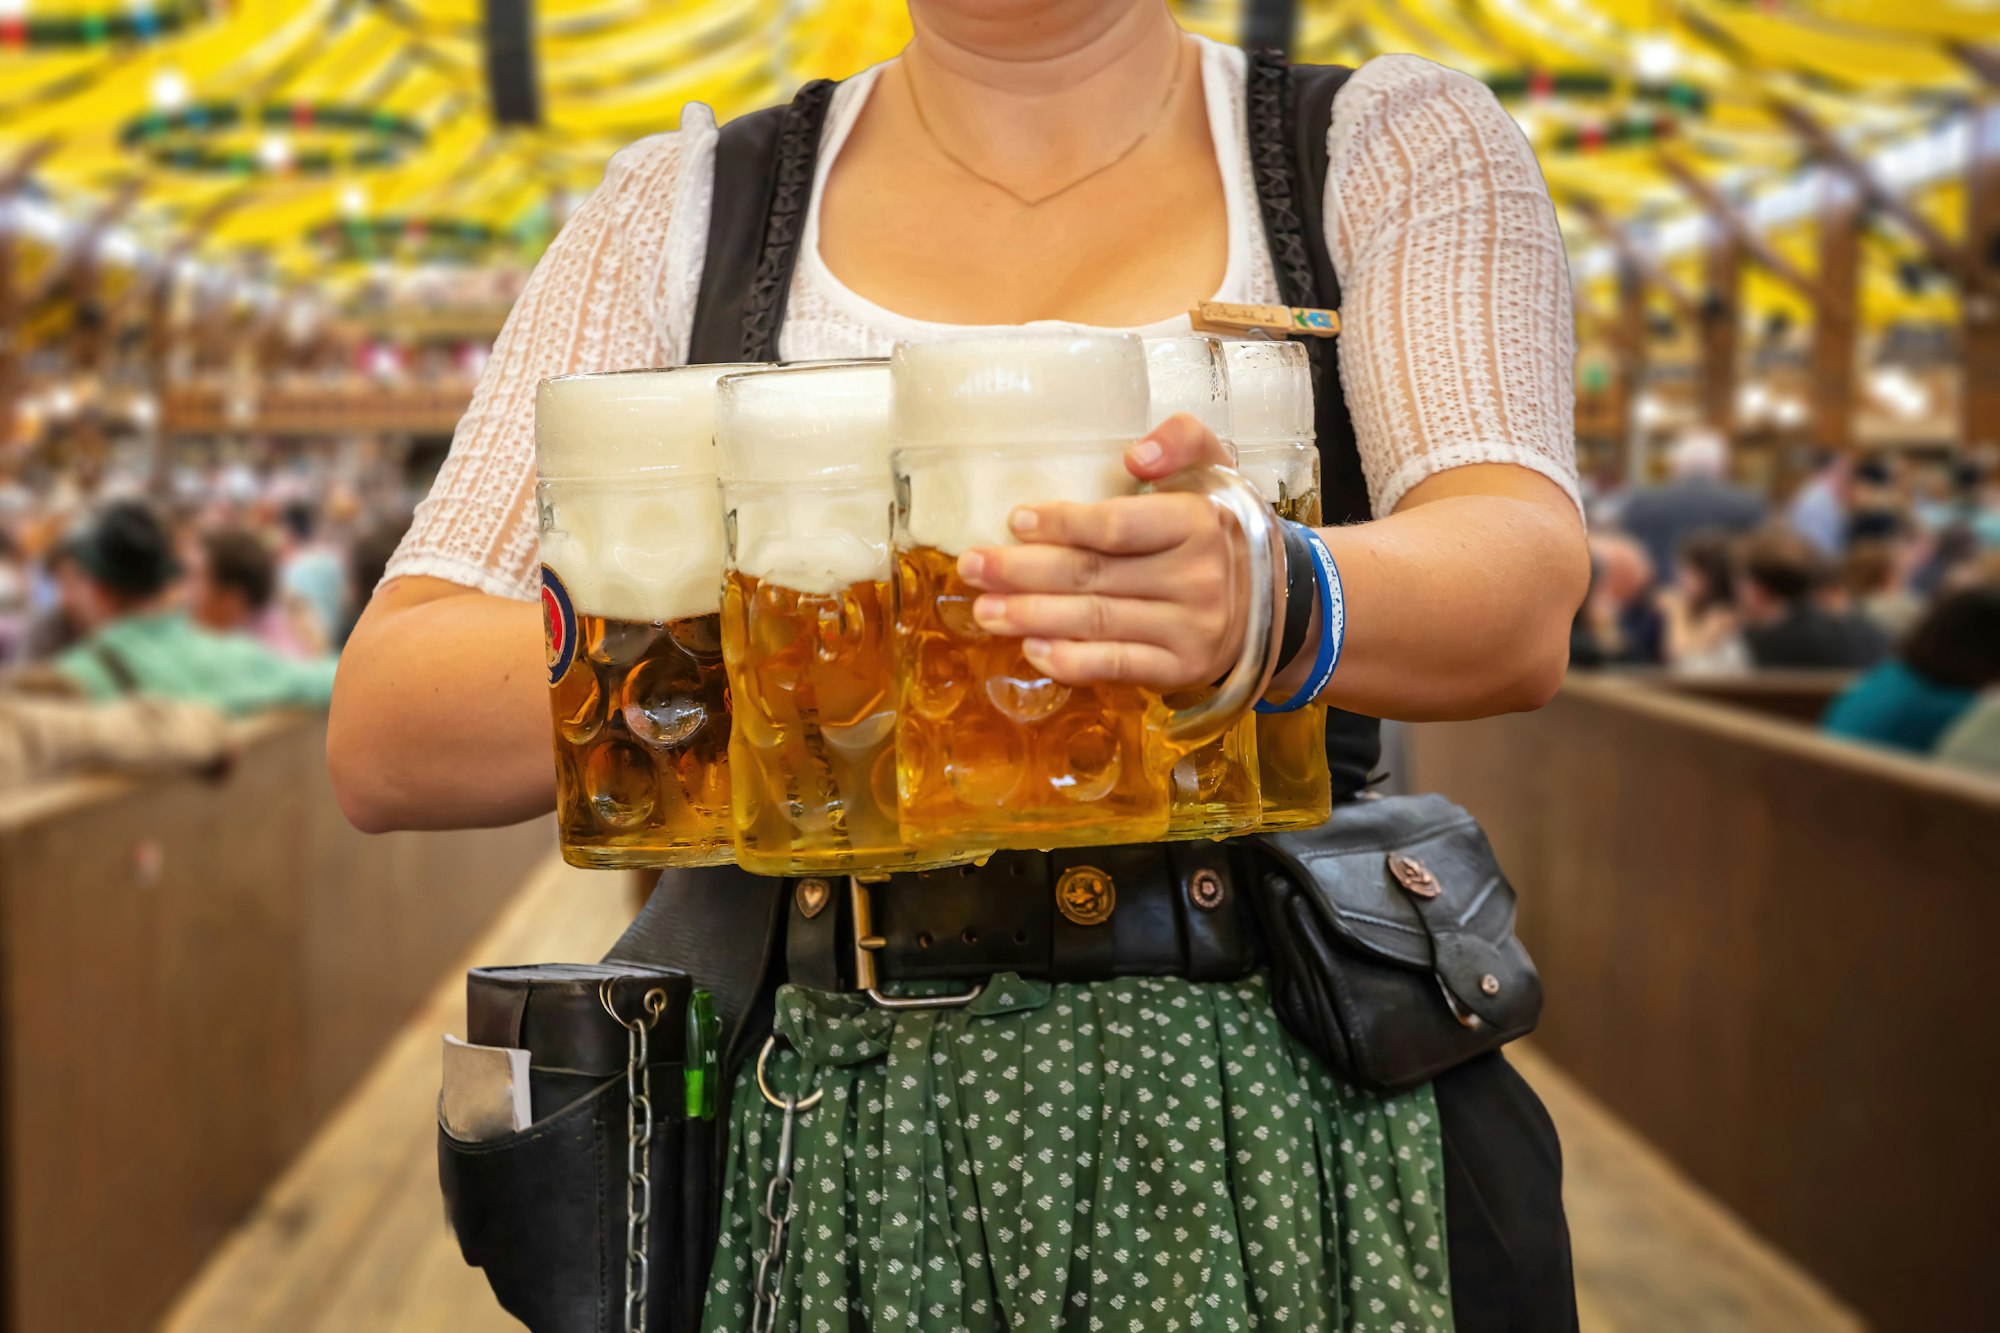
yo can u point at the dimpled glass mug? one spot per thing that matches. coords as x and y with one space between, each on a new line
803 454
1214 785
1271 417
991 753
631 545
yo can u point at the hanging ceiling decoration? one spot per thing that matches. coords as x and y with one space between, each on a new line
276 125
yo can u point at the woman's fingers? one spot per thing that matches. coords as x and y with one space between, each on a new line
1082 616
1181 441
1128 525
1085 663
1014 569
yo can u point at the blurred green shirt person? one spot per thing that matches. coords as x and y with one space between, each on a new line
140 643
167 654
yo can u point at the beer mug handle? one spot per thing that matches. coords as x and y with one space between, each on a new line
1255 663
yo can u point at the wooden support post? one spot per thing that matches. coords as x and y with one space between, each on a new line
1629 253
1721 325
13 305
1836 320
1724 214
1979 303
1631 339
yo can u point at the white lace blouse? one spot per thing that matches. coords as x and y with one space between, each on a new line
1455 341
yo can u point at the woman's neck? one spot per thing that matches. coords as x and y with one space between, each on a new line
1040 90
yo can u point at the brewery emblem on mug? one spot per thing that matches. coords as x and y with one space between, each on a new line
558 625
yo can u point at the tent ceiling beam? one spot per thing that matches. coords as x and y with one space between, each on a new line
1942 253
1630 254
1981 307
79 259
1983 61
1724 214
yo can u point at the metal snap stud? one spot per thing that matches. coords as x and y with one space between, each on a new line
1205 889
1489 984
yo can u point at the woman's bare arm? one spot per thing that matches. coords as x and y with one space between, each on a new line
440 711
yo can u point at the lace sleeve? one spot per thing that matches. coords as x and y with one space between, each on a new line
602 298
1456 334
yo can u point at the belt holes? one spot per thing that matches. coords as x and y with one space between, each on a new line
1016 869
965 872
924 940
969 935
1020 937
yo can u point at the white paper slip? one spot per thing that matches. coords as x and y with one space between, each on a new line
485 1090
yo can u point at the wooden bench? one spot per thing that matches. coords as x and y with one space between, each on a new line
196 972
1768 951
1797 696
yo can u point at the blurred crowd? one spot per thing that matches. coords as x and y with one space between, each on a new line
136 621
1884 567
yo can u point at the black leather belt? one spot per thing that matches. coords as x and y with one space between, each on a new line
1080 914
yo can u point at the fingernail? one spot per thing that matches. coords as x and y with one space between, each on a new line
1036 651
1024 521
1145 453
990 612
972 566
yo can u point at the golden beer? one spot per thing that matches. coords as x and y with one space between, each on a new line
1215 786
1272 414
642 742
631 545
807 619
990 750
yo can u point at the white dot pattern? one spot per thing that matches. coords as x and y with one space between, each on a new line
1131 1156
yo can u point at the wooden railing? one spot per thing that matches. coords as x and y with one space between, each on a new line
341 407
1769 951
195 972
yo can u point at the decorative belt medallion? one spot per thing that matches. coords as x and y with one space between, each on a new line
1413 875
1086 895
813 896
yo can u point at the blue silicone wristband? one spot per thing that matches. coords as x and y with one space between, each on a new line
1332 628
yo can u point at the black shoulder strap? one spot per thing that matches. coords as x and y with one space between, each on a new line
763 182
1290 108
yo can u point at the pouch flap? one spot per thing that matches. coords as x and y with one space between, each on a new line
556 1013
1412 880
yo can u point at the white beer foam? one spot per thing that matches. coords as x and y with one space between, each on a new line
626 463
1187 375
1270 391
804 457
990 422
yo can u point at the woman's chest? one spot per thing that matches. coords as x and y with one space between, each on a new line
1124 250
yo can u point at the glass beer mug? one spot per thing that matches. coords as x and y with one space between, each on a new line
992 753
806 617
1214 785
631 538
1271 414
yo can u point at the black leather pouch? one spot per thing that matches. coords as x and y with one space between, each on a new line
1391 931
543 1211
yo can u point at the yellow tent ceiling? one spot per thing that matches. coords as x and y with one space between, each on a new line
252 99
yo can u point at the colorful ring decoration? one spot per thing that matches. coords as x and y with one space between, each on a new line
372 238
161 134
1541 83
1591 138
125 24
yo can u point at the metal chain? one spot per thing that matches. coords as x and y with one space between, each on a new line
638 1150
771 1263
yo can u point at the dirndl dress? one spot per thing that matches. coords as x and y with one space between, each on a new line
1139 1155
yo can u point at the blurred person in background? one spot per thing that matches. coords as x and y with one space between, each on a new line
1871 577
1911 700
367 560
232 589
1974 740
141 642
1818 511
311 569
16 596
1697 497
1877 509
1703 632
60 593
1620 623
1785 621
44 738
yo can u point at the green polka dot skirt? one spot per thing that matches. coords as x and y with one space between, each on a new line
1134 1156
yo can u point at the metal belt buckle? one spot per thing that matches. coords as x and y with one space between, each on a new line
866 942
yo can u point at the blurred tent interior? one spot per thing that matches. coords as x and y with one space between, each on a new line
253 256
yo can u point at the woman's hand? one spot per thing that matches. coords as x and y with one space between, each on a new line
1142 589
